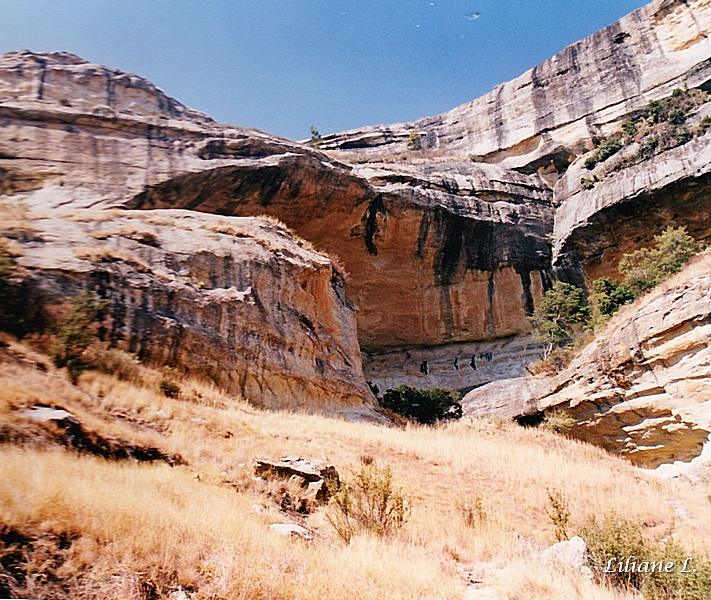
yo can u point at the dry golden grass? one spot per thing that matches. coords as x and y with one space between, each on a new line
111 254
153 525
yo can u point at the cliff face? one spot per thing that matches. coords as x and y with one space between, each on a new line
642 388
438 252
547 114
238 301
449 247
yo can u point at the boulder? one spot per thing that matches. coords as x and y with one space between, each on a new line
313 475
291 530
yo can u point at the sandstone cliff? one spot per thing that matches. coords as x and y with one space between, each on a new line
235 300
439 253
642 388
449 247
549 113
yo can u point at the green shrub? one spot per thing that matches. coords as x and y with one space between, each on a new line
169 388
590 163
646 267
414 141
558 420
629 129
555 317
424 406
648 146
683 136
654 109
678 585
615 539
677 117
607 148
606 298
367 504
112 361
77 331
558 513
587 184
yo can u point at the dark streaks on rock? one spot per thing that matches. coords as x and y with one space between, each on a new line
370 222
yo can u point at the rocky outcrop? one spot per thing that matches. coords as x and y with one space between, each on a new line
438 253
513 398
236 300
623 212
548 114
642 388
449 247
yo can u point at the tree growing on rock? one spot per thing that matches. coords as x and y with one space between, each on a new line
562 310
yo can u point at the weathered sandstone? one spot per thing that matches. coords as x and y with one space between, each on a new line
235 300
594 228
449 248
438 253
549 113
643 387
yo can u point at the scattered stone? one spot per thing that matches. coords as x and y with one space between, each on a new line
42 414
310 474
291 529
571 553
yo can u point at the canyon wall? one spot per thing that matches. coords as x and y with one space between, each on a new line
642 388
548 114
450 246
237 301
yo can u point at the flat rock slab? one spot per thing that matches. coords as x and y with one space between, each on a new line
291 530
313 474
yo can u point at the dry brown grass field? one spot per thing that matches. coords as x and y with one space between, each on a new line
77 525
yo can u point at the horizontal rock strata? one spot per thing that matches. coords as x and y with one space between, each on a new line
643 387
235 300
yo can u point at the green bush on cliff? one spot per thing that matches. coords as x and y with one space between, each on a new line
562 310
606 298
646 267
424 406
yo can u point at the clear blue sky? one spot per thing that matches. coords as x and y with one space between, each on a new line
284 65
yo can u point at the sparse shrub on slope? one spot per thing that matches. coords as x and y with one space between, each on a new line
424 406
620 555
367 504
76 332
647 267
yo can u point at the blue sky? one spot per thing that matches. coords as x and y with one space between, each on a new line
284 65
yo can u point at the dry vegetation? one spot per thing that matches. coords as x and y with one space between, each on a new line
77 525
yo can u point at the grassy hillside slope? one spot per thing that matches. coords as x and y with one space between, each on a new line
80 520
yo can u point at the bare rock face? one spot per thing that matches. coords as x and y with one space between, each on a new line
547 114
514 398
438 253
643 387
449 247
236 300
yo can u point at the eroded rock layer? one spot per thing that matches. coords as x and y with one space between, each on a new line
546 114
643 387
438 253
238 301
